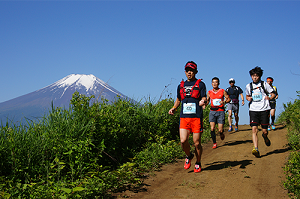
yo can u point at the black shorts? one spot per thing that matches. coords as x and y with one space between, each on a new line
273 104
259 118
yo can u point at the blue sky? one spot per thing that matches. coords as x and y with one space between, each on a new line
141 47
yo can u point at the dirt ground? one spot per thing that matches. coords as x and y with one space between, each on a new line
230 171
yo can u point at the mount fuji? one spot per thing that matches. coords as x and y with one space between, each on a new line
35 104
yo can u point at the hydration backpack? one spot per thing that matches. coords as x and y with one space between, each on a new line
195 92
261 85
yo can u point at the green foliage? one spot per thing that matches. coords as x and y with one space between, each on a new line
90 150
291 117
292 170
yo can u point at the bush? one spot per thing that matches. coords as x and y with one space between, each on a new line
89 150
291 117
292 170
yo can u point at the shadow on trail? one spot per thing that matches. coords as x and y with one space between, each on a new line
279 128
225 164
276 151
233 143
248 129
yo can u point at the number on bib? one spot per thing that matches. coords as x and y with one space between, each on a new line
189 108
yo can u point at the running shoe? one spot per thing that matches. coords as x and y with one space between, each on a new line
236 128
267 141
222 136
197 168
255 152
230 129
187 163
273 126
215 146
269 129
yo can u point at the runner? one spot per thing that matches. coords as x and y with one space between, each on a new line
192 94
234 92
270 81
217 111
259 106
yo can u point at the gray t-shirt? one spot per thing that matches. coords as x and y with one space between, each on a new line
259 103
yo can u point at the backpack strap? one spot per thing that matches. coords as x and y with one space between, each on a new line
182 90
197 83
261 85
251 87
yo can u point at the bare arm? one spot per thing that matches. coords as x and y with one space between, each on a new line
227 98
249 98
207 99
242 97
176 105
203 102
269 98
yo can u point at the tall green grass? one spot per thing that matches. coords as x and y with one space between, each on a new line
89 150
291 117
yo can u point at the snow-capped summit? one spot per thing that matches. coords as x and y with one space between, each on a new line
60 93
88 81
80 82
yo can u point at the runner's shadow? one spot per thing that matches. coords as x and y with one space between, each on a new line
225 164
279 128
236 143
277 151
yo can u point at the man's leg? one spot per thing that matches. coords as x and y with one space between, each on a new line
272 117
254 136
230 120
230 117
236 116
212 132
184 140
265 116
198 146
255 151
221 131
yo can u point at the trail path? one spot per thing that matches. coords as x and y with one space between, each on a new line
230 171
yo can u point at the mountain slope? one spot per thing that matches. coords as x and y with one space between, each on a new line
36 103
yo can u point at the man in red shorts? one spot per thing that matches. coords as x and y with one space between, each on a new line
192 94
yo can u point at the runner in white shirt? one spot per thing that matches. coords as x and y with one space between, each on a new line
257 93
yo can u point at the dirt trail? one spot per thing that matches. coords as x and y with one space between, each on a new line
230 171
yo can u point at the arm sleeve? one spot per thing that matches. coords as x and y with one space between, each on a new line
203 90
248 89
240 90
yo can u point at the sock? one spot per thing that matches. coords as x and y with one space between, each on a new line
273 119
198 163
189 157
213 136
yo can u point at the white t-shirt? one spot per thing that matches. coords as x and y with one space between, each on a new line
259 103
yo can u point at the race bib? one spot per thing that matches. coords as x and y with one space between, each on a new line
216 102
256 96
189 108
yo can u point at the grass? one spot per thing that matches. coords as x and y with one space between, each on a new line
291 117
90 150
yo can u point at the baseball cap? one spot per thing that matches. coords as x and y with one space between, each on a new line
231 80
191 65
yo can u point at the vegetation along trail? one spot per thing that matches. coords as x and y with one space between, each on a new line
230 171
